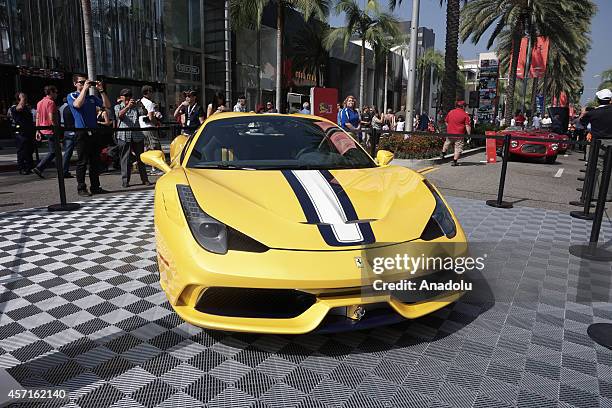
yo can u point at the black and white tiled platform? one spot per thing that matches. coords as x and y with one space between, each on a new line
81 310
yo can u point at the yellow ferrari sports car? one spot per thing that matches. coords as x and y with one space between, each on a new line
284 224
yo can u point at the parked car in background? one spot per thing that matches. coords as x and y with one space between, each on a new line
534 149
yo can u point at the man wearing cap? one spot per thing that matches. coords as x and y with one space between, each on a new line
600 118
127 114
457 123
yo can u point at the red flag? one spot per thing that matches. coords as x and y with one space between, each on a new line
520 69
539 58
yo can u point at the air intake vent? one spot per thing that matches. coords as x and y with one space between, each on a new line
256 303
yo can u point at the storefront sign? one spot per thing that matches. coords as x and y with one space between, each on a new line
40 72
187 69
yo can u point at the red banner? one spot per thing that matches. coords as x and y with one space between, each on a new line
520 69
539 57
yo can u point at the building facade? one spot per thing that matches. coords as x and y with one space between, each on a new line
178 45
173 45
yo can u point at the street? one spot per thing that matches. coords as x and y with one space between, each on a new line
528 183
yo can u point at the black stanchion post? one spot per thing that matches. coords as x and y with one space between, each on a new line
591 251
589 183
499 203
63 205
580 201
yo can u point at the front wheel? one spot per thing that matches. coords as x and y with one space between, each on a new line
550 159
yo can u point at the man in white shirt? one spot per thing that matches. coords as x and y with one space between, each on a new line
150 119
240 106
546 121
537 121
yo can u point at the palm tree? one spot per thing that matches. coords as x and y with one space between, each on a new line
383 43
309 52
558 19
606 79
432 61
89 46
248 14
367 25
451 65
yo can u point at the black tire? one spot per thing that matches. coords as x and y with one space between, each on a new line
550 159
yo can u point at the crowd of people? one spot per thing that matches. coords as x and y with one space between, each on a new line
89 118
378 124
96 115
86 119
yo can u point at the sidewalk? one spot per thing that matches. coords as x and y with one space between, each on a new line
8 154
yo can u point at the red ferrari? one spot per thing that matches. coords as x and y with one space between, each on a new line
536 149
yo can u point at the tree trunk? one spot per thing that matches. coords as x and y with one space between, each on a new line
534 94
362 73
449 85
516 49
386 81
89 45
545 87
279 54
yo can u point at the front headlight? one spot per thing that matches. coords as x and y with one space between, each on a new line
210 233
514 143
441 215
554 146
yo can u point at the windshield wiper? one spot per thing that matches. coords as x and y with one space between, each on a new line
222 166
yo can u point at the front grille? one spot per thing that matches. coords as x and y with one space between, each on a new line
256 303
533 148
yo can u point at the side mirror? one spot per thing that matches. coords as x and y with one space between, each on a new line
176 147
155 158
384 157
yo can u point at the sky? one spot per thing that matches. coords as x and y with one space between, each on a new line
599 58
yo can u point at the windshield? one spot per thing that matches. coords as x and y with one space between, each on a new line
265 142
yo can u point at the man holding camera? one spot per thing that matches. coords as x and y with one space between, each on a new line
127 113
83 108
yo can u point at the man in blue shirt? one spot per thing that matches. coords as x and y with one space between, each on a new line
305 108
83 108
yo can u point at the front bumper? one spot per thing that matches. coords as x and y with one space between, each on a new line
318 315
331 277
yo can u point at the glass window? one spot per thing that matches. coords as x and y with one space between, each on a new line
275 142
184 24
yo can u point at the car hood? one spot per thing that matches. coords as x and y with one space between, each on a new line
311 209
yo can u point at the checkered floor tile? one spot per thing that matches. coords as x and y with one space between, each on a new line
81 310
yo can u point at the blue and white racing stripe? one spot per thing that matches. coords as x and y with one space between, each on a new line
326 204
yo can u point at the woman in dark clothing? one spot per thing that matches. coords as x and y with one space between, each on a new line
217 105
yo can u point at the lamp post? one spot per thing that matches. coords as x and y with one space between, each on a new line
414 38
